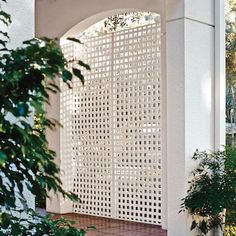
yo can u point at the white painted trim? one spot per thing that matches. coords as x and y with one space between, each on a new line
219 74
164 121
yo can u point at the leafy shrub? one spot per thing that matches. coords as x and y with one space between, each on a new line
34 225
212 190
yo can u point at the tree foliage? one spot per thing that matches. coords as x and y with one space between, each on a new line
28 75
118 22
212 190
230 40
230 58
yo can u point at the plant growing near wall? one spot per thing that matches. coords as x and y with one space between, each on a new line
28 75
212 190
230 168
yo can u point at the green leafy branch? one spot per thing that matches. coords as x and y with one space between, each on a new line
212 190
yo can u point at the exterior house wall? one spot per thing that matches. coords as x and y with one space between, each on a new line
193 70
23 21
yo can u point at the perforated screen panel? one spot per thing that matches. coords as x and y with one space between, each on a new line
66 145
116 126
92 125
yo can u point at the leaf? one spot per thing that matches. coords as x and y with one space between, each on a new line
5 221
66 75
86 66
15 229
4 34
74 40
203 227
52 87
6 18
3 158
3 42
21 109
194 225
78 74
20 186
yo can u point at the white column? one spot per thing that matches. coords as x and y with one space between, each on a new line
190 44
163 120
56 203
53 137
219 74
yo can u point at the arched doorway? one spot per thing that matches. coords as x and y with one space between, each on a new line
111 143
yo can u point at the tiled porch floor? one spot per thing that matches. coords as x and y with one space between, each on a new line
110 227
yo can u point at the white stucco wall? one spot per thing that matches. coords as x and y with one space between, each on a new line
22 28
71 12
23 21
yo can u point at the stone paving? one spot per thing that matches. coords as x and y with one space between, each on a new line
110 227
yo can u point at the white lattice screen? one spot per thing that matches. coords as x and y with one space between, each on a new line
113 134
66 144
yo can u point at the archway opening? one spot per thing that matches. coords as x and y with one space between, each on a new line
111 143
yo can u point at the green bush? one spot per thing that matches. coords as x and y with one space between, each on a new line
35 225
212 191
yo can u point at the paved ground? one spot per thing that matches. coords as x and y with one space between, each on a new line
109 227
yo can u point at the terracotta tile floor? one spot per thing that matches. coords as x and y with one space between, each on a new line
110 227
